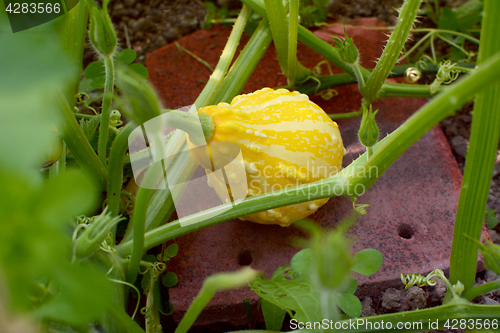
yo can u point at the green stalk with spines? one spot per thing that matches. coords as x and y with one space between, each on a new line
480 159
392 50
385 152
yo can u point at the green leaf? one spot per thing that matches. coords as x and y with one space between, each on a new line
140 69
89 126
273 315
350 304
289 290
448 21
71 193
161 302
146 278
94 70
211 14
301 262
171 251
27 128
491 255
351 289
127 56
170 279
84 294
490 218
34 246
367 262
469 14
98 82
149 258
86 86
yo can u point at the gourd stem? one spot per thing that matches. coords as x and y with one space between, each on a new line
369 151
191 124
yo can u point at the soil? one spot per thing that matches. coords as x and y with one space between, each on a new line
149 25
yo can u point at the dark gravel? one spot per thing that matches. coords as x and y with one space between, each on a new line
148 25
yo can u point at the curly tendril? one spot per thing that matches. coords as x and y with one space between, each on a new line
409 280
447 73
424 61
413 74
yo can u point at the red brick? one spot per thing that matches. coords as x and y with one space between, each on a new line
419 190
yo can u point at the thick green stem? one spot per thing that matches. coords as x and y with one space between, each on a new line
244 65
392 50
443 105
78 144
385 153
225 59
322 189
115 168
106 109
407 90
191 124
329 305
293 24
279 23
155 172
139 221
480 160
388 89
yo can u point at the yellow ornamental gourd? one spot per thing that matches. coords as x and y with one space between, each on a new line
285 140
